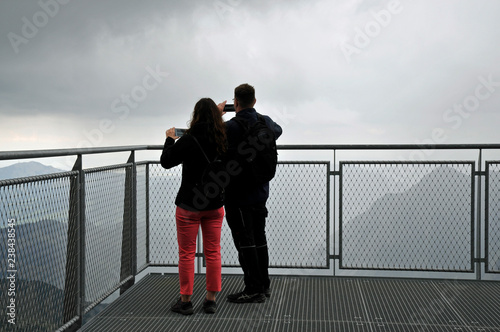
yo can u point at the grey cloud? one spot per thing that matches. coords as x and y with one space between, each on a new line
92 56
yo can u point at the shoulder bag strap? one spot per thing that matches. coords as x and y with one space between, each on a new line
203 151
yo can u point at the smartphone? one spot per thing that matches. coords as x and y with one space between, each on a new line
179 132
229 108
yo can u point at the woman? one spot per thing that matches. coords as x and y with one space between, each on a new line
205 138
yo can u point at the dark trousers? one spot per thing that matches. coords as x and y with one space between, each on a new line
247 224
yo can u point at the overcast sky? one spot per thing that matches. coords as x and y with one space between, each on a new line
79 73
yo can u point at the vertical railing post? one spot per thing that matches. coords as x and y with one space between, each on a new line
74 287
478 218
82 236
133 207
129 233
148 260
199 254
334 205
328 252
338 201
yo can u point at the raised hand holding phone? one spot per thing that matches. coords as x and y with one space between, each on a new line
221 107
229 108
180 131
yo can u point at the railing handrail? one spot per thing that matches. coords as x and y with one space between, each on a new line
389 146
27 154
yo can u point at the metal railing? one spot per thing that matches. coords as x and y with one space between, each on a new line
69 240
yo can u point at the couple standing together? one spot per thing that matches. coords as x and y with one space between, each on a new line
208 138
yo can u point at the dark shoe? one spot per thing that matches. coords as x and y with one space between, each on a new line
267 292
185 308
232 297
244 297
210 307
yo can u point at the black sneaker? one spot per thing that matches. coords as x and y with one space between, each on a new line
210 307
267 292
185 308
232 297
244 297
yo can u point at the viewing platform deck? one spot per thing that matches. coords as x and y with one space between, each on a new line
307 303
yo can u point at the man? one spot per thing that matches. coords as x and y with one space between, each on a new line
245 203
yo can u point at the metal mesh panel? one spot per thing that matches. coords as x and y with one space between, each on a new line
141 216
229 255
163 187
37 209
493 217
407 216
296 227
104 212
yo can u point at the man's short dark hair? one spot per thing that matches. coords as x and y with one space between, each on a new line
245 94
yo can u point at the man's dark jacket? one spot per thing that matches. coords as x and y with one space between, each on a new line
240 192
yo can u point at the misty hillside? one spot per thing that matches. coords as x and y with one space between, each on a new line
30 168
40 307
425 226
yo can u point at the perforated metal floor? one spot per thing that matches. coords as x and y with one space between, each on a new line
311 304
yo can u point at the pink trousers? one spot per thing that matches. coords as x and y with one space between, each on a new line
188 224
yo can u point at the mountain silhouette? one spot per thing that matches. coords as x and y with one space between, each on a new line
24 169
425 227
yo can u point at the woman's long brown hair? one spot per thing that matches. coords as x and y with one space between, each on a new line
207 111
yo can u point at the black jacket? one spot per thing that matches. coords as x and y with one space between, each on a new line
186 152
240 193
